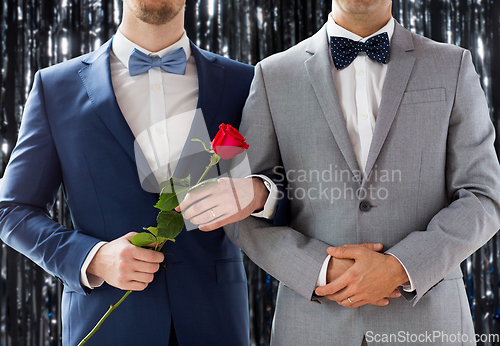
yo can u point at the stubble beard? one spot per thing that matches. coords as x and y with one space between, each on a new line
159 14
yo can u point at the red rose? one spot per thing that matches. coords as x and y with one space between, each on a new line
228 142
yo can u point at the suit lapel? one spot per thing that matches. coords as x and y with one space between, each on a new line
96 77
398 74
210 82
318 67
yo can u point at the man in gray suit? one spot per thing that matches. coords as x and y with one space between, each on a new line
384 137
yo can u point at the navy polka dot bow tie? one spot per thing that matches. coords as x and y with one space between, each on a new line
345 50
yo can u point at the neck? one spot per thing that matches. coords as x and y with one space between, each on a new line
363 24
152 37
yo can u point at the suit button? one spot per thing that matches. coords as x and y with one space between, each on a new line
164 264
365 206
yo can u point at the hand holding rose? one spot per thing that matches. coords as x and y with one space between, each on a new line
231 199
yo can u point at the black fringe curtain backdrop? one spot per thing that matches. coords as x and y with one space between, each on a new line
39 33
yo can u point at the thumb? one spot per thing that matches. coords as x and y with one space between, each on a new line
129 235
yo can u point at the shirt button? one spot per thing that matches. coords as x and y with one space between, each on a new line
156 87
365 206
364 116
159 131
360 73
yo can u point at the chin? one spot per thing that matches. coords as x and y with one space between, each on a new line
363 6
156 12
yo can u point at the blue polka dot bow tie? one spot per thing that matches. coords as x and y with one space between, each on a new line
173 62
345 50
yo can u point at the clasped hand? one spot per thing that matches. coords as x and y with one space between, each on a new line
359 275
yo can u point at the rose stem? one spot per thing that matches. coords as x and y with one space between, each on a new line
204 173
110 310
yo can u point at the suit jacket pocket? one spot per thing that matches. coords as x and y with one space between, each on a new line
230 271
424 96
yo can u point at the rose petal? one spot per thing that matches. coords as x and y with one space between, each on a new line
228 152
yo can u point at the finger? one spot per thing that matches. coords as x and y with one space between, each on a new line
207 216
352 252
373 246
133 286
353 303
344 298
142 277
370 246
357 304
218 223
143 267
198 208
394 294
381 302
194 196
343 295
147 255
333 287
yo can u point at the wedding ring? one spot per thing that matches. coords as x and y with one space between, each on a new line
349 299
213 214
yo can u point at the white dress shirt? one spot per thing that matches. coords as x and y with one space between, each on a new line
158 104
359 89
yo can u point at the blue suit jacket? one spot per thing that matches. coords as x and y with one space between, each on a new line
73 133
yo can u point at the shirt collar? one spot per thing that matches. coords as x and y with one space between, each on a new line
122 47
333 29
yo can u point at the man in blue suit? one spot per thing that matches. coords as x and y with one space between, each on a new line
78 131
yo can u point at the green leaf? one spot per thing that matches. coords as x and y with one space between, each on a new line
185 182
204 146
166 186
170 224
153 230
143 239
205 182
167 201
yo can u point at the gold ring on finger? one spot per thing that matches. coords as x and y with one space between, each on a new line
213 214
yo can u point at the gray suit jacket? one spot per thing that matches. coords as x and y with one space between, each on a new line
431 193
